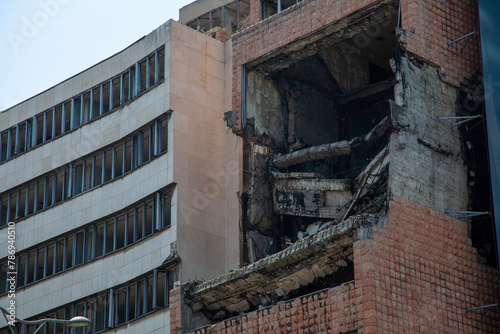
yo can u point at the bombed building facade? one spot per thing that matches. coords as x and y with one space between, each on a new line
365 192
274 166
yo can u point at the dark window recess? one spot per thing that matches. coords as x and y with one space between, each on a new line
377 74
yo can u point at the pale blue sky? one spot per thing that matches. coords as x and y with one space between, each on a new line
43 42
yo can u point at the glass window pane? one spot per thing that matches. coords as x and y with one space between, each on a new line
87 184
50 190
126 87
102 313
150 214
98 170
108 164
13 151
116 92
149 291
48 124
69 252
40 264
77 178
161 63
164 135
128 156
31 198
152 66
118 160
3 278
121 306
110 226
99 240
59 186
143 73
13 205
21 144
96 101
22 203
130 227
58 116
86 107
5 142
166 210
160 289
146 145
89 237
59 255
79 247
30 275
120 231
40 195
50 260
105 97
21 270
67 116
39 129
77 112
140 221
131 302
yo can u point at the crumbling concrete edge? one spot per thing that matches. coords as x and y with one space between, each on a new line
360 224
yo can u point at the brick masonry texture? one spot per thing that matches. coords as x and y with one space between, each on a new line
417 274
429 26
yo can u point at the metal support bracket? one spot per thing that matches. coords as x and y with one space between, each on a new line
464 119
468 214
468 309
468 36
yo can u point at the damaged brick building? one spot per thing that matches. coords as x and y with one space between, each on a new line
365 195
263 166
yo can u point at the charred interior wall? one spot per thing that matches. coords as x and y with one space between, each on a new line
332 94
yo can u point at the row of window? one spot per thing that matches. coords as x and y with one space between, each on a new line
86 244
110 308
86 173
83 108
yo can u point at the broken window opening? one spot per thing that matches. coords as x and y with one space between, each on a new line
474 135
271 7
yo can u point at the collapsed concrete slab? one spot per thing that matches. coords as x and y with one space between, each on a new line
307 264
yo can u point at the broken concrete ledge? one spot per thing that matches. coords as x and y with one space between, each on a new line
280 273
343 147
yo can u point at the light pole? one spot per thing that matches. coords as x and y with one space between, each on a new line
74 322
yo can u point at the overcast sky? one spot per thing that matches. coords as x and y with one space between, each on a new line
44 42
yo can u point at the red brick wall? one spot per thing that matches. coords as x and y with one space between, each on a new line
331 310
435 23
175 310
418 274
